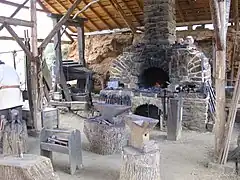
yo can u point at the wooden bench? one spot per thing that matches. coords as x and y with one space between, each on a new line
61 141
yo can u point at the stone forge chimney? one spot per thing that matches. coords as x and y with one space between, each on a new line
160 22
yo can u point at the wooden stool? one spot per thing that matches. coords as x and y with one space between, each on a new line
27 168
141 158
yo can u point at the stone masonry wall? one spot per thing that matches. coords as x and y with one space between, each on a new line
160 22
189 65
160 32
195 113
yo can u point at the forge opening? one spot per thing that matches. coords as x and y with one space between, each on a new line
154 77
148 110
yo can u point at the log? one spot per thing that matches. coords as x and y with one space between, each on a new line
30 167
138 165
105 139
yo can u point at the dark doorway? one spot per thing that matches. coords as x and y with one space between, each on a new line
154 77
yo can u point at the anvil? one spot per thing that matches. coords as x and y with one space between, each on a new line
108 111
140 127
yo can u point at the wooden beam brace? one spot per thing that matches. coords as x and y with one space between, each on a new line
69 36
131 12
15 22
58 26
10 3
16 11
57 11
99 17
115 4
18 40
109 15
8 38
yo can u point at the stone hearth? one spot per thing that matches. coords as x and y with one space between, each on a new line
159 60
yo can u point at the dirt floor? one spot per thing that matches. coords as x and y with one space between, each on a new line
182 160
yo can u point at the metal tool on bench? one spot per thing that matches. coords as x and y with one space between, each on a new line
66 142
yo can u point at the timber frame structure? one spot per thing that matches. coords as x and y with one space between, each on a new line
118 14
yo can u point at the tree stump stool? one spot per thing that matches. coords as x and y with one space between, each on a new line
14 134
105 139
141 165
30 167
141 158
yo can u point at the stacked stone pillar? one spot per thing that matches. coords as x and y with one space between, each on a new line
160 22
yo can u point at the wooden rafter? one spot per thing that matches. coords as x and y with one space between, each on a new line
110 16
59 12
99 17
85 16
115 4
179 9
191 3
131 12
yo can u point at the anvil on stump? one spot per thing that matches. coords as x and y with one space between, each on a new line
141 158
107 134
27 168
109 111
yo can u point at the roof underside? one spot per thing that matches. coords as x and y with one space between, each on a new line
104 16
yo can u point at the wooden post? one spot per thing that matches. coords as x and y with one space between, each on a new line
220 17
60 77
81 44
36 78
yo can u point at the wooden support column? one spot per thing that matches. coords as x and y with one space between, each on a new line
220 18
59 74
81 44
36 70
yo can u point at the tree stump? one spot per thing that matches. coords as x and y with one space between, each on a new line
15 135
105 139
141 165
30 167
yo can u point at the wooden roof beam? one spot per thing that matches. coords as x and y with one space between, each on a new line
190 2
179 9
110 16
115 4
131 12
57 11
99 17
85 16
